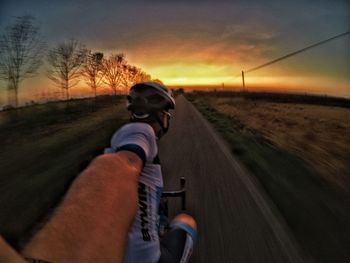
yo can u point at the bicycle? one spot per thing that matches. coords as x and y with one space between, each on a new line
164 208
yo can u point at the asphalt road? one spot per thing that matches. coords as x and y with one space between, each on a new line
236 220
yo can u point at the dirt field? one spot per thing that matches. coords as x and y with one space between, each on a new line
318 134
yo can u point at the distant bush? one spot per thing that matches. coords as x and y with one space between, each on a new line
8 107
178 91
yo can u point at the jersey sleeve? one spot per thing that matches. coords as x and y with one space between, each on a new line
136 139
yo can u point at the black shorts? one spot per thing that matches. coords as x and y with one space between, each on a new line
177 245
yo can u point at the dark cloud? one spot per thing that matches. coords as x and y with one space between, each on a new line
91 20
235 29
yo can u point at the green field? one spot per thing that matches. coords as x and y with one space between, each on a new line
43 148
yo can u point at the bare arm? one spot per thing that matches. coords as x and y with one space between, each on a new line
8 254
92 223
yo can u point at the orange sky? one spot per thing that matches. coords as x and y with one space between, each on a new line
308 72
201 43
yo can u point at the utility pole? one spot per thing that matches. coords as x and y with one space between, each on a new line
243 80
289 55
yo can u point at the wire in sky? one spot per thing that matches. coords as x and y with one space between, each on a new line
296 52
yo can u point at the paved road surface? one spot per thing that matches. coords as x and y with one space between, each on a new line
235 219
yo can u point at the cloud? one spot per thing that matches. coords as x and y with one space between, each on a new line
244 33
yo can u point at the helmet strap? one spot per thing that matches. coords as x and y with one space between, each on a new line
164 129
140 116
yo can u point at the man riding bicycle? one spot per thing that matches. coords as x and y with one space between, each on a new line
149 104
110 212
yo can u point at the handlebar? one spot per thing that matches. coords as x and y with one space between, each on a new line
180 193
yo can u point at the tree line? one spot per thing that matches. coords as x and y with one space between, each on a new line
23 51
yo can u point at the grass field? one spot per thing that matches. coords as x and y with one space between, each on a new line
43 148
317 134
300 154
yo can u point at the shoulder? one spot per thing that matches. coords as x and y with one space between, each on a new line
141 132
137 128
138 138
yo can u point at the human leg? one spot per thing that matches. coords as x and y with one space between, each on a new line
177 244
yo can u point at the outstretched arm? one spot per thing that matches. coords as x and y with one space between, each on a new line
92 222
8 254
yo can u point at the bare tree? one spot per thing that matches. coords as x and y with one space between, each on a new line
138 75
66 61
21 50
113 67
143 76
93 70
126 79
132 75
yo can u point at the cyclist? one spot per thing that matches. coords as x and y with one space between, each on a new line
149 104
109 213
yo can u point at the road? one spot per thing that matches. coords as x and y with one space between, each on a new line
236 220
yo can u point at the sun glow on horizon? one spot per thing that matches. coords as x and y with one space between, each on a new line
192 73
201 74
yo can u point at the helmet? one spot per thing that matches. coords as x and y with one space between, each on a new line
146 98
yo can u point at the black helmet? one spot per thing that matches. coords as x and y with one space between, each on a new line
146 98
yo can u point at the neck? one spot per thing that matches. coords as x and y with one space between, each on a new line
155 125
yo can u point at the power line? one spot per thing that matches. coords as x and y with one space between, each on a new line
296 52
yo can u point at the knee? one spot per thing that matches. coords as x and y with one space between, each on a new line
186 219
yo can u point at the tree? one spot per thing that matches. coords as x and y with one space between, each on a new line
131 75
66 61
93 70
113 68
136 74
129 72
143 76
21 51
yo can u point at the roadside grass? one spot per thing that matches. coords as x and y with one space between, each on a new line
316 211
44 147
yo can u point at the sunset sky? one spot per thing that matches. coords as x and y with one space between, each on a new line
204 42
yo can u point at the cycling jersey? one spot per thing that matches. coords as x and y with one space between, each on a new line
143 240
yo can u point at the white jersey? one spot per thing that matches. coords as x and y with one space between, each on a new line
143 240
